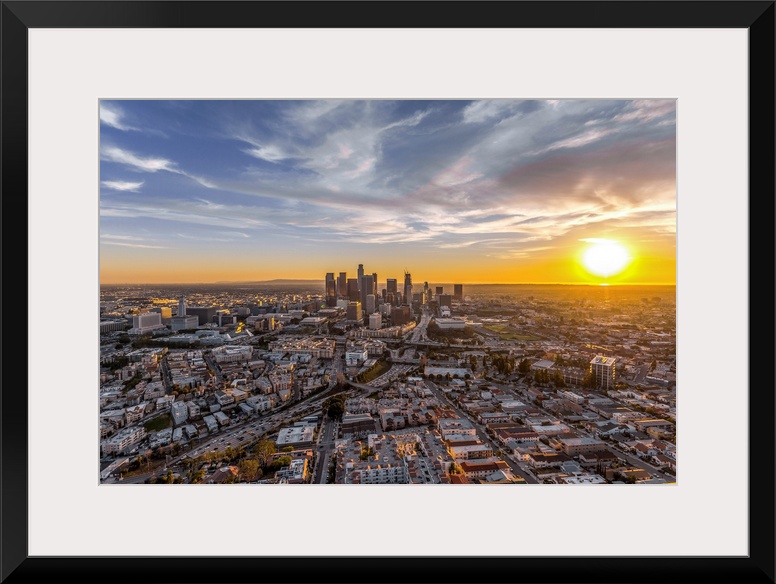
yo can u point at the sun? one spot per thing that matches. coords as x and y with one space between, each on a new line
605 257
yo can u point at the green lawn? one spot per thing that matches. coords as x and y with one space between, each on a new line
158 423
509 334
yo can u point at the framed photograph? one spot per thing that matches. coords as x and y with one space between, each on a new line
387 192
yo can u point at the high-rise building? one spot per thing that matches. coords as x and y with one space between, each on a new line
165 311
183 323
354 311
181 307
146 322
342 285
375 321
204 314
407 288
604 370
360 271
445 300
374 283
371 303
391 290
458 292
400 315
440 290
366 288
331 290
353 290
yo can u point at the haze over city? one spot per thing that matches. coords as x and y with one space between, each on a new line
486 191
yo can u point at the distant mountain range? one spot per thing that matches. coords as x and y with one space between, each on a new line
277 282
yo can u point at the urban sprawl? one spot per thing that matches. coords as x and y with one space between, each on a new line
344 381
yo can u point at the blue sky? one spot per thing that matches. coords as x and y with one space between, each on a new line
498 190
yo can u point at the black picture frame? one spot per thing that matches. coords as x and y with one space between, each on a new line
755 16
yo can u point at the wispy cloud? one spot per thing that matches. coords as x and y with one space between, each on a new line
500 178
127 241
135 245
115 154
149 164
268 153
118 185
113 116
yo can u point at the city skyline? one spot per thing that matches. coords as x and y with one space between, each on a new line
485 191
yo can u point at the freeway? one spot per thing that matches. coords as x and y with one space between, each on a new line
253 429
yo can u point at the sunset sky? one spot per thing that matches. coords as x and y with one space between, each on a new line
486 191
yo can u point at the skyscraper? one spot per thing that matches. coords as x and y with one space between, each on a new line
400 315
458 292
366 288
353 290
374 283
407 288
360 271
371 303
440 290
181 307
331 290
391 291
342 285
354 311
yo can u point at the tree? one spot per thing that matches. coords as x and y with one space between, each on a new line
198 477
334 407
249 470
263 450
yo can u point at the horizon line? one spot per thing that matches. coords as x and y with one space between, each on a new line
306 280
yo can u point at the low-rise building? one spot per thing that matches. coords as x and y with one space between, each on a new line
582 444
179 411
123 440
477 469
296 436
357 424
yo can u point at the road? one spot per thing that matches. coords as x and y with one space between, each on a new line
166 374
215 367
254 428
324 450
633 460
516 467
419 332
